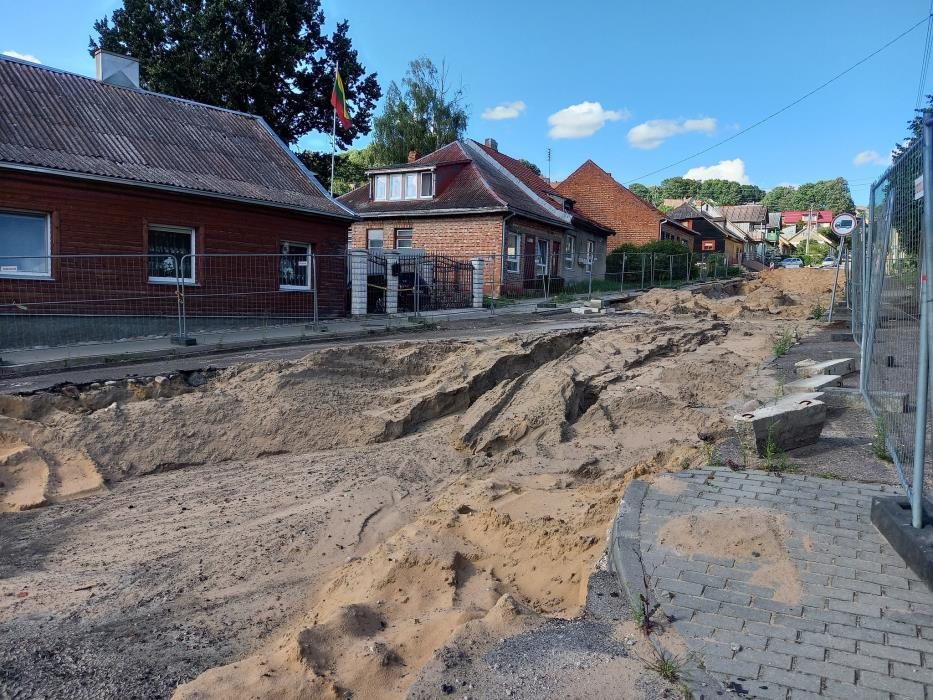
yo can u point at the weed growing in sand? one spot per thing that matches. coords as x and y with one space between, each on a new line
817 312
828 475
880 443
712 457
665 664
783 343
776 460
564 298
779 388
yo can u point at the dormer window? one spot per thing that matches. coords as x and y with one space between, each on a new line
401 186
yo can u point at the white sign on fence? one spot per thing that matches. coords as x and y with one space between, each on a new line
918 188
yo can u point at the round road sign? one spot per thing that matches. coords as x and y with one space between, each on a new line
843 224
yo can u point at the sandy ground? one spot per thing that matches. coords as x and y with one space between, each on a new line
329 526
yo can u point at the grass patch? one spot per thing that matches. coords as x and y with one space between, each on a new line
712 457
817 312
829 475
879 444
665 664
564 298
776 459
783 343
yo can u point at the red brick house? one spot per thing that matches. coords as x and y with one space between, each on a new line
467 200
632 219
714 233
103 168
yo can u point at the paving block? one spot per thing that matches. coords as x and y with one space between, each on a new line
792 424
811 368
816 383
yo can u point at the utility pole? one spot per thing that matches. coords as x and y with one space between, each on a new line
549 165
809 226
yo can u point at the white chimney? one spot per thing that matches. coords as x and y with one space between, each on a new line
116 69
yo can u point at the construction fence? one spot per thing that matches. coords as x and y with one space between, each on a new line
890 300
71 300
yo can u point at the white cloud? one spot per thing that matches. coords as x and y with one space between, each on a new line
582 120
871 158
507 110
724 170
654 132
22 56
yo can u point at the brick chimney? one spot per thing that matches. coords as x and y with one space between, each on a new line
413 155
493 144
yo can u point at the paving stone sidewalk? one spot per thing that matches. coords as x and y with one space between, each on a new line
863 627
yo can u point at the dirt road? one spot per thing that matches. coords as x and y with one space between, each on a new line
329 525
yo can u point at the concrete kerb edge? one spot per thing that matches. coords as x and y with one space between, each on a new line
626 563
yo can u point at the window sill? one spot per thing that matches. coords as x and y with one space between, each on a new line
164 281
26 276
293 288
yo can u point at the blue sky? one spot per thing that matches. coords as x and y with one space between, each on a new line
634 86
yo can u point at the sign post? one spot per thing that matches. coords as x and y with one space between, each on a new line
843 225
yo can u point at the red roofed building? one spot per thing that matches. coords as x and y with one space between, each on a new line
467 199
824 216
632 220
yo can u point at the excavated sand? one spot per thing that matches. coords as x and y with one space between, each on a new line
745 534
490 471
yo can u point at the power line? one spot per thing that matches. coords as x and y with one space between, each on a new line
925 64
785 107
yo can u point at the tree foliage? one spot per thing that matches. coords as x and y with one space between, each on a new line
349 168
723 192
425 113
531 166
823 194
649 193
269 58
914 129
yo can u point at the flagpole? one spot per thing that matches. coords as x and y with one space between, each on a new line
333 136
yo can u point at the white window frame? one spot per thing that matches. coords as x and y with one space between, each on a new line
570 250
421 193
194 240
384 179
541 262
382 237
401 187
307 261
408 178
410 238
48 246
513 259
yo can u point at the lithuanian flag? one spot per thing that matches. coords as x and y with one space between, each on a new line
338 98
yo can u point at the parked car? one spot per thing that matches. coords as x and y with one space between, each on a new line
828 261
791 263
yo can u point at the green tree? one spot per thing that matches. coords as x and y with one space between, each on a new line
268 57
640 190
751 193
725 192
914 129
677 187
531 166
424 114
781 198
349 168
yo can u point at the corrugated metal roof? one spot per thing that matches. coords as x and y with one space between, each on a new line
745 213
58 121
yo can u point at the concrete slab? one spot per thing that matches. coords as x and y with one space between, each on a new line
846 397
790 423
811 368
815 383
892 517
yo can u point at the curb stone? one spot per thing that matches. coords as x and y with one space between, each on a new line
625 562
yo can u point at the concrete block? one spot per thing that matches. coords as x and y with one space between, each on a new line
815 383
892 517
792 423
811 368
584 310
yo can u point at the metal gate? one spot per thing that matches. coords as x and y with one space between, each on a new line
376 282
431 282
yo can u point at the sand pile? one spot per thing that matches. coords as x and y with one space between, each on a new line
745 534
782 293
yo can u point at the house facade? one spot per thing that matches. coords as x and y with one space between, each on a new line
751 220
712 231
111 191
468 200
632 220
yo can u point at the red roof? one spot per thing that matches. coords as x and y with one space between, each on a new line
795 217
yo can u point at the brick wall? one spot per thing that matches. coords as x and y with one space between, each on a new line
598 196
100 219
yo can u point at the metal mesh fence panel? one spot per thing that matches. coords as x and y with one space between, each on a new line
74 299
887 267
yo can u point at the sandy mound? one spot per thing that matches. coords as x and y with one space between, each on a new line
745 534
782 293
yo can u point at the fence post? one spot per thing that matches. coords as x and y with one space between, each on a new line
689 265
926 298
651 283
478 270
622 277
391 291
642 270
670 270
182 337
589 265
419 261
359 262
315 321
